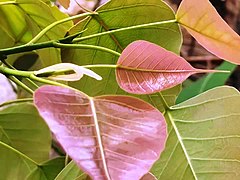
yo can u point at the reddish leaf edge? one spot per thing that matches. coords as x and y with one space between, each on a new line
130 67
148 175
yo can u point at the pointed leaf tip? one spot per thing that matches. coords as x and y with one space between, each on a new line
145 68
77 75
119 137
204 23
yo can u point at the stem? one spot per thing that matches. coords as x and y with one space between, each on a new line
16 101
19 83
27 79
45 30
86 46
66 159
124 29
114 66
7 3
26 48
46 81
8 71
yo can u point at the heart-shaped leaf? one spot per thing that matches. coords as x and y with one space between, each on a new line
107 136
203 22
203 138
145 68
22 127
126 14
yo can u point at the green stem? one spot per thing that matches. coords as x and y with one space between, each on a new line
7 3
114 66
86 46
27 79
19 83
45 30
8 71
124 29
66 160
46 81
16 101
26 48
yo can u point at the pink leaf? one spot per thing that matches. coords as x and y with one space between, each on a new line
203 22
109 137
145 68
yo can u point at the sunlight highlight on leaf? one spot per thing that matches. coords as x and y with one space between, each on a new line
79 72
203 22
145 68
109 137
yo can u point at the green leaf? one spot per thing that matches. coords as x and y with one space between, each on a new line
203 138
14 165
119 14
26 131
48 170
207 82
71 171
24 19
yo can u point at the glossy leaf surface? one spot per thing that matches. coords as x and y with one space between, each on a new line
24 19
145 68
26 131
14 165
125 13
107 136
203 137
203 22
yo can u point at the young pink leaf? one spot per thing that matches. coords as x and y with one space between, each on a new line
203 22
145 68
109 137
77 75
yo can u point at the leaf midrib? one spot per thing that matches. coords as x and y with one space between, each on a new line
99 139
182 144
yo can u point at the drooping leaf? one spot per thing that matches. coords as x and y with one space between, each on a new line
204 23
145 68
107 136
125 13
203 138
14 165
26 131
30 21
77 75
71 171
207 82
